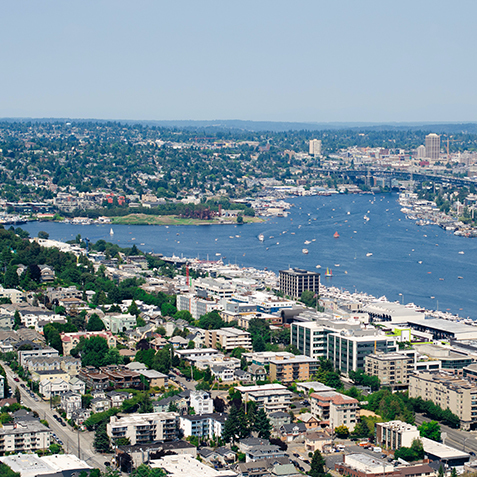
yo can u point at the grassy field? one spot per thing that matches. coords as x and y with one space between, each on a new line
143 219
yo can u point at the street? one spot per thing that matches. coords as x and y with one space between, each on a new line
66 434
462 440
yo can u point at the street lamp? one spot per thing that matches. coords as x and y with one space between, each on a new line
402 298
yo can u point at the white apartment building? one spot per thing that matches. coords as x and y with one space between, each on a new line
144 428
272 397
118 323
395 434
16 296
228 339
201 402
315 147
335 408
24 436
26 355
196 306
219 288
205 425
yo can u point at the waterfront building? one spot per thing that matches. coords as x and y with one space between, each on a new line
392 369
294 281
393 435
447 391
433 146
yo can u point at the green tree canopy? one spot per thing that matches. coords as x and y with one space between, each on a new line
95 323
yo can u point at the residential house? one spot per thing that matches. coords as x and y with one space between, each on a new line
70 402
201 402
223 373
290 432
317 441
310 421
100 404
257 372
279 418
117 398
263 452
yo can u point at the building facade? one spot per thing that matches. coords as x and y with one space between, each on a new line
294 281
288 370
228 339
335 408
392 369
393 435
433 146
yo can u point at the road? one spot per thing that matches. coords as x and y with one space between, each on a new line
66 434
462 440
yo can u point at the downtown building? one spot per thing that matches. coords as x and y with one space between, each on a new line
294 281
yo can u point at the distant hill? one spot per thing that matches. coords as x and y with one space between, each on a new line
273 126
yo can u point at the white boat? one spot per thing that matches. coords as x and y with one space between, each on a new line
307 242
369 254
318 266
111 232
261 237
461 253
305 251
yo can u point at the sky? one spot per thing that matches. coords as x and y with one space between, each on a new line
263 60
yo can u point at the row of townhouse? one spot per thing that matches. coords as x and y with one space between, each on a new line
68 364
115 376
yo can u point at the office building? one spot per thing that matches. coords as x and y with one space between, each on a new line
228 339
289 370
311 338
144 428
347 350
392 369
393 435
433 146
334 408
294 281
315 147
447 391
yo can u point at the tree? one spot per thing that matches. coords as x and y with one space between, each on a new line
95 323
317 466
43 235
145 471
101 441
235 427
258 343
6 471
454 472
134 309
431 430
342 432
211 321
17 395
94 351
262 424
17 321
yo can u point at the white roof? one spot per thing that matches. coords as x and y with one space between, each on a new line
186 466
441 450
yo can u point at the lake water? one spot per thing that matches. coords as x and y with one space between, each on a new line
397 246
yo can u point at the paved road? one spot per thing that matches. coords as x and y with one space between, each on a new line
66 434
462 440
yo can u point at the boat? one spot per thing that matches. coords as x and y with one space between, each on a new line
369 254
461 253
348 213
305 251
460 278
318 266
328 273
111 232
261 237
336 235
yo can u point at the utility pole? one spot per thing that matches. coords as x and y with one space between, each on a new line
79 447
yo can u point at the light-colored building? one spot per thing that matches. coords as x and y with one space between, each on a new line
71 340
314 147
70 402
365 465
205 425
288 370
228 339
24 436
197 306
433 146
16 296
144 428
27 354
393 435
421 152
185 465
201 402
335 409
311 338
347 350
119 322
264 357
272 397
447 391
58 387
392 369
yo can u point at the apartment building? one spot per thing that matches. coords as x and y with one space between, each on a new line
272 397
392 369
348 349
24 436
395 434
288 370
144 428
447 391
27 354
216 287
335 408
116 376
228 339
68 364
71 340
205 425
197 306
201 402
119 322
294 281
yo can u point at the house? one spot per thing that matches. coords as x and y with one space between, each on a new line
100 404
178 342
164 404
70 402
47 273
317 441
201 402
279 418
117 398
222 373
309 420
263 452
290 432
221 455
257 372
241 375
78 416
154 378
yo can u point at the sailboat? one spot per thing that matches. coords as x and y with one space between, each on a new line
261 237
336 235
329 273
111 232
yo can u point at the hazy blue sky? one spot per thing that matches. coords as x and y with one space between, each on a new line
313 60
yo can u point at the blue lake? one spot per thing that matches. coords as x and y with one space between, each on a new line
396 244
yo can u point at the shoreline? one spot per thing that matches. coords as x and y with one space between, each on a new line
144 219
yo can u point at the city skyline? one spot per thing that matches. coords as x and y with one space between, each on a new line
272 61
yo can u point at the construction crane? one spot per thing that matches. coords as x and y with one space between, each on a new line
448 141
